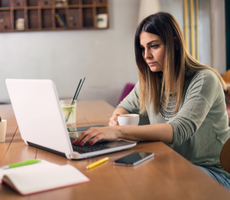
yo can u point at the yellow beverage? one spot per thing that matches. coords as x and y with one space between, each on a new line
69 111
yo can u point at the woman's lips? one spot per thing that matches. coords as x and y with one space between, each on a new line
152 63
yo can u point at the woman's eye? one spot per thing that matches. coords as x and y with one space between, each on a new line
154 46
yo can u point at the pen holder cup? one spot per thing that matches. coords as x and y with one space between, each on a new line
3 130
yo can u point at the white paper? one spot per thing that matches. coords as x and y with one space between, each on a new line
43 176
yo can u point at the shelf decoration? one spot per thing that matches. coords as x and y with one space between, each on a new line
41 15
20 24
60 3
60 20
102 20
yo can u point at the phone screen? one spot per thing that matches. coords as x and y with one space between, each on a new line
134 158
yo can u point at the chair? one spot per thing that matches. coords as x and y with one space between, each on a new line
225 156
127 89
226 78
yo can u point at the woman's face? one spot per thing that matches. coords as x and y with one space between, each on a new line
153 51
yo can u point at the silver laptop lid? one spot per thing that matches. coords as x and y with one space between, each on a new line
38 114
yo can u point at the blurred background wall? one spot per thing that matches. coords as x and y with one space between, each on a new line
105 57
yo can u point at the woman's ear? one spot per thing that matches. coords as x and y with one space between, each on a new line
176 43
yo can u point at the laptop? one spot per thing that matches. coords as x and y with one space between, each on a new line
36 107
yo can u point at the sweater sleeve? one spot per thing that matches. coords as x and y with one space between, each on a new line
131 101
203 93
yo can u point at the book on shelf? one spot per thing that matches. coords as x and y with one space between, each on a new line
60 20
41 177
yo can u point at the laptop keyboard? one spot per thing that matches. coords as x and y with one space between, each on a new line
88 148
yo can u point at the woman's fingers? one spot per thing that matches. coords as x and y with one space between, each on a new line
113 120
113 123
84 137
87 135
96 139
96 134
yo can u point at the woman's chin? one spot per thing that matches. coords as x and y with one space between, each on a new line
155 69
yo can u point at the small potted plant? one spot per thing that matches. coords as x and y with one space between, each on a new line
2 129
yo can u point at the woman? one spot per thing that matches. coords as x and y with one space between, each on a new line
183 99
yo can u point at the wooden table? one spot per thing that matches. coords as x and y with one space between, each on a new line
166 176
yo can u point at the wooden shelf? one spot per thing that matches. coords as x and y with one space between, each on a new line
43 15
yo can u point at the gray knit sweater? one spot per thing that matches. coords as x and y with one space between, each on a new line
200 127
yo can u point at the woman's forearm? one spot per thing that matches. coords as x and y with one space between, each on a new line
154 132
162 132
120 111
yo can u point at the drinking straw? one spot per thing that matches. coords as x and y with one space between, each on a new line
76 91
79 89
76 95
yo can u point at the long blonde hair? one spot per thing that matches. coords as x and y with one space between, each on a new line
177 60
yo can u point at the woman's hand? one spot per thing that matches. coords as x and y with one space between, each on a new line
111 133
113 121
96 134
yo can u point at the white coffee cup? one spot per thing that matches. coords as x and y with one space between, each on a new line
3 130
129 119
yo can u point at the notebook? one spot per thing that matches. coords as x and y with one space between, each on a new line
40 177
36 107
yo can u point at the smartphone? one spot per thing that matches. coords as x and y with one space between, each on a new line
134 158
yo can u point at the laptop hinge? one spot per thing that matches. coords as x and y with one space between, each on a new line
46 149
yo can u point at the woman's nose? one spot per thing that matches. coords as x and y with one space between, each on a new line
148 54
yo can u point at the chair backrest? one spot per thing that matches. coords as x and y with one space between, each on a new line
226 76
225 156
127 89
